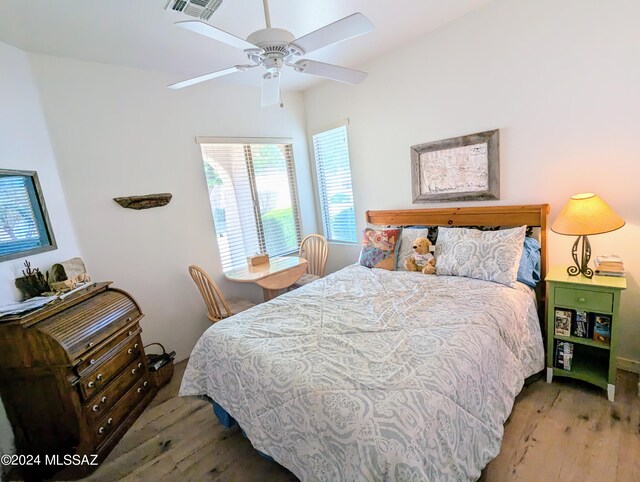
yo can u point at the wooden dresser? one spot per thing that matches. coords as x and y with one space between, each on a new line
73 377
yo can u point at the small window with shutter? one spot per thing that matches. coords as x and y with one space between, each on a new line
333 168
24 225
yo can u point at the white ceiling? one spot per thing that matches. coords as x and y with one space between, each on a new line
141 34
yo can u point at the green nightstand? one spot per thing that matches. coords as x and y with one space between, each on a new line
593 361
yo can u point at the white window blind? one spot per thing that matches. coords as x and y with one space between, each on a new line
22 226
331 152
253 199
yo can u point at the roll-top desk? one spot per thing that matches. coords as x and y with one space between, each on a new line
73 376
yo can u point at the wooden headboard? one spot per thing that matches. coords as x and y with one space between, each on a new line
534 215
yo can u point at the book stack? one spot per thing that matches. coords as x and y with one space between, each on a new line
609 265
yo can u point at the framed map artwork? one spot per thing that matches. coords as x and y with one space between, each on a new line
465 168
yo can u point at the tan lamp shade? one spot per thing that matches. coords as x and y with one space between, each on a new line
586 214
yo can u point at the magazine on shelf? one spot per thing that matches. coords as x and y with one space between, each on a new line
564 355
602 328
580 327
563 322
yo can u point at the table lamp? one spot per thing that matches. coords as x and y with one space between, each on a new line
585 214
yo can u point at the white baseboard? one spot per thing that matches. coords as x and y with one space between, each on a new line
184 357
628 365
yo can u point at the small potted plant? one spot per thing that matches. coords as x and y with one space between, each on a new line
33 283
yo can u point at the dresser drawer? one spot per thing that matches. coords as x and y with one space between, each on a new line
596 301
99 356
121 409
102 373
102 402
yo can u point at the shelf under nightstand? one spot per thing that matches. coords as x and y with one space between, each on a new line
583 341
589 368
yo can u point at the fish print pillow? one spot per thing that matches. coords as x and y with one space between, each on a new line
379 248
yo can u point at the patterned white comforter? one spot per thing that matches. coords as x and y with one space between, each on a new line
374 375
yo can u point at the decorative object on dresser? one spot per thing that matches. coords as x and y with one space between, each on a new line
585 214
67 275
592 306
465 168
74 376
33 283
144 202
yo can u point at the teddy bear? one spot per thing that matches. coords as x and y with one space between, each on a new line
421 258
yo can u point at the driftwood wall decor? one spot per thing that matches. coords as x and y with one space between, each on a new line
465 168
144 202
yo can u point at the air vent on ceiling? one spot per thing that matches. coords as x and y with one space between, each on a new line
202 9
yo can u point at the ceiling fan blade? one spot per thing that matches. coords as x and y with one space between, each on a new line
216 34
330 71
346 28
202 78
270 90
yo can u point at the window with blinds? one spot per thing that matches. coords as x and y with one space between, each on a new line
331 152
23 228
253 199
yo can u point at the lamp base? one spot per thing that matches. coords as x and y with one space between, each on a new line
581 266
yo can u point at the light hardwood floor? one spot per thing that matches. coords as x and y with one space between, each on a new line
563 431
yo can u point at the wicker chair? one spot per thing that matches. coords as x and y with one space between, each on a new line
314 248
217 307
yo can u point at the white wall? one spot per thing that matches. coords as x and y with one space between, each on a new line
118 131
25 144
559 79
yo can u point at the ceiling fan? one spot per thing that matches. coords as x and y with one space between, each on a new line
275 48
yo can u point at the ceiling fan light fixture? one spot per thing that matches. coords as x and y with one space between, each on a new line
274 48
271 36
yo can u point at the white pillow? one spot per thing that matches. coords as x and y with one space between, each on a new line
407 238
487 255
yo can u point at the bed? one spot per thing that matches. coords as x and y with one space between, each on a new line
370 374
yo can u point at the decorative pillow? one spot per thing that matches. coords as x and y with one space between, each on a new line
487 255
379 248
433 235
407 238
529 269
